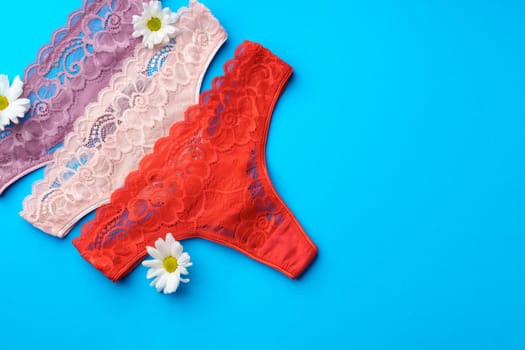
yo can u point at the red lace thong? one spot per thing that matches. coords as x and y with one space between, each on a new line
208 179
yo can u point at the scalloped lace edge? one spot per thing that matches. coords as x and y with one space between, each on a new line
82 11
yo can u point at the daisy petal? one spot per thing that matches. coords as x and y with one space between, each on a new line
172 284
4 85
22 104
155 7
152 263
173 17
161 282
16 89
4 120
154 253
154 282
184 259
176 249
154 272
170 239
15 113
163 248
170 30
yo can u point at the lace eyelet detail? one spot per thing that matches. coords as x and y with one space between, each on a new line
113 23
202 39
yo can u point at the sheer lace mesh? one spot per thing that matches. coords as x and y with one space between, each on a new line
141 103
207 179
68 74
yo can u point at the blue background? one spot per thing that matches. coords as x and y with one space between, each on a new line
399 147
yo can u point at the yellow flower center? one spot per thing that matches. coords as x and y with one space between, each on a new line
154 24
170 264
4 102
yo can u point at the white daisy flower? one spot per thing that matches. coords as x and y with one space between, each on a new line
169 262
11 106
155 24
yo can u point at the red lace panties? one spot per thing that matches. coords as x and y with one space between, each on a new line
208 179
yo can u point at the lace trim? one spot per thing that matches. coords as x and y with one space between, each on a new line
185 186
43 62
110 139
69 72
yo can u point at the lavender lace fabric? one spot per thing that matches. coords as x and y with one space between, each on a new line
68 74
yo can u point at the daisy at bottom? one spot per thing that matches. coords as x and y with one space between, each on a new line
168 264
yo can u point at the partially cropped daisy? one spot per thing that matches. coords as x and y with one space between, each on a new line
11 106
155 24
169 262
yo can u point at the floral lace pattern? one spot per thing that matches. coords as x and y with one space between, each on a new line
208 179
69 73
130 115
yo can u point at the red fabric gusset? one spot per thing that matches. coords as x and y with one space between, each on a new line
208 179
